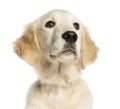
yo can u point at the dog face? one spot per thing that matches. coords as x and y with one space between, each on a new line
60 35
57 36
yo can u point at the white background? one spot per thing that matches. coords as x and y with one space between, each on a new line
102 17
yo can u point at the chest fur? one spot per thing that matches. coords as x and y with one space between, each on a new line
72 96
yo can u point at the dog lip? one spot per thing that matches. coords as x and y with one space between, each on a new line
71 50
67 51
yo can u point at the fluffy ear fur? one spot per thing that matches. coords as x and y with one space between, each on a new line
27 46
88 49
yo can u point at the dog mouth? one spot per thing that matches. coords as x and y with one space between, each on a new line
65 52
68 51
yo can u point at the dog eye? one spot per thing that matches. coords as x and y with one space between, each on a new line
76 25
50 24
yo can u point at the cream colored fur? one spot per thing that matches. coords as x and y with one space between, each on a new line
59 85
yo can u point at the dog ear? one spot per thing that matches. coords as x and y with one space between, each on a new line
88 48
27 46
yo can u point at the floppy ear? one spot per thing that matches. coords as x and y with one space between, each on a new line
27 46
88 49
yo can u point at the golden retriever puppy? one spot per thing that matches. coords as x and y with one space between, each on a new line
58 46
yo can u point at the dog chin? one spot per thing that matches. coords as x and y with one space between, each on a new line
64 56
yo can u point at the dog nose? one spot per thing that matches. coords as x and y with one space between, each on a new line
70 37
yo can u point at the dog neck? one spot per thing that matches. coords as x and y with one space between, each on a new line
57 73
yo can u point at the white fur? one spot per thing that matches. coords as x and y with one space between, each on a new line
59 85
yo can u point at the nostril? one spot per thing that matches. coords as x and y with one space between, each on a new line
70 36
65 36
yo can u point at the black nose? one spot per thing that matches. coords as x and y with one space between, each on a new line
70 36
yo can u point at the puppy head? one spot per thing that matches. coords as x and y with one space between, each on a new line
60 36
57 36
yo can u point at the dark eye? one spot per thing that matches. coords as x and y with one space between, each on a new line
50 24
76 25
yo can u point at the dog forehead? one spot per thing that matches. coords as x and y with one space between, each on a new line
58 14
